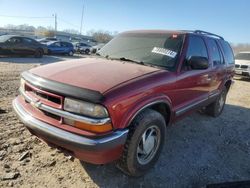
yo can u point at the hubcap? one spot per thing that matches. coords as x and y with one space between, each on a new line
148 145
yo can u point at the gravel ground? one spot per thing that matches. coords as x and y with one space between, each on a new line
199 149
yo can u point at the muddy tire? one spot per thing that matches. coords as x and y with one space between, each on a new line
216 108
144 143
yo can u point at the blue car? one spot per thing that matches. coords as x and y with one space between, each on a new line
56 47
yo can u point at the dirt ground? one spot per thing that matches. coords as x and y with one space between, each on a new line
199 149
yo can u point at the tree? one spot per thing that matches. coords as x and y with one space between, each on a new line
100 36
72 31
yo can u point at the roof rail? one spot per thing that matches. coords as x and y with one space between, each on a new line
207 33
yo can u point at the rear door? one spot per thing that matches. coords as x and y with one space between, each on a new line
29 45
192 86
218 72
228 58
56 48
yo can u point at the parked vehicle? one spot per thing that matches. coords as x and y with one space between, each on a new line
12 44
242 64
61 48
96 48
82 48
117 106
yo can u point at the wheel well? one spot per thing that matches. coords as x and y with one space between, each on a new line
163 109
228 84
40 49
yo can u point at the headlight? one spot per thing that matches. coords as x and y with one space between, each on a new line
22 85
85 108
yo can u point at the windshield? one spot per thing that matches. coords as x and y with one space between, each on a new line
4 38
243 56
157 49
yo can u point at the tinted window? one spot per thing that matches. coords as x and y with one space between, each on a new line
196 47
158 49
228 53
57 44
215 53
27 40
65 44
14 40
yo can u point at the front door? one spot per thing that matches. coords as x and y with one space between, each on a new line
192 86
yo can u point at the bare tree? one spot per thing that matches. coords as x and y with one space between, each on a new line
100 36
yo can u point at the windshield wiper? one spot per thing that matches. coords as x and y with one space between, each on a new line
130 60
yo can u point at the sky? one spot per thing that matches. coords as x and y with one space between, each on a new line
229 18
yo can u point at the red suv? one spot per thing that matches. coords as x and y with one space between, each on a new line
116 106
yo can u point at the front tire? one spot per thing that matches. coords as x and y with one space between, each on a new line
144 143
39 53
87 51
216 108
71 53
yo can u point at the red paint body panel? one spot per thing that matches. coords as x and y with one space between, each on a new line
92 73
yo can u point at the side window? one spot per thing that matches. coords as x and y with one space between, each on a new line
27 40
57 44
14 40
228 52
215 53
196 47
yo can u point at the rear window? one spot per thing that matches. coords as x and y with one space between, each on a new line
228 52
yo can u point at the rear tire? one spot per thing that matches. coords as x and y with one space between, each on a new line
144 143
39 53
216 108
71 53
87 51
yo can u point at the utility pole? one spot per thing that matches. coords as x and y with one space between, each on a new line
82 17
55 22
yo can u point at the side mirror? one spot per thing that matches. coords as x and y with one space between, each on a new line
198 63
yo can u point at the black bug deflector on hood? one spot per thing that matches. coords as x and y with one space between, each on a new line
63 89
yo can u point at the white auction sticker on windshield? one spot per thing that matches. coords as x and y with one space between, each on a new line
164 51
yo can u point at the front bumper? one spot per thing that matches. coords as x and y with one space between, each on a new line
93 150
242 72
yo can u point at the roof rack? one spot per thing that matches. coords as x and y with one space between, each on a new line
207 33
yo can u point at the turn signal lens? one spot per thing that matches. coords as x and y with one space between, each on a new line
93 128
88 127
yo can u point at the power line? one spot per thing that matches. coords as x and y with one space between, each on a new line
54 16
69 23
29 17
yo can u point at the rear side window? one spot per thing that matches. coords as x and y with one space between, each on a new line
27 40
228 53
215 53
196 47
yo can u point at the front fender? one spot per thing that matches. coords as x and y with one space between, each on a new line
123 120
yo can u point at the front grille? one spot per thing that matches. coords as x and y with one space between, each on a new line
244 66
237 66
47 98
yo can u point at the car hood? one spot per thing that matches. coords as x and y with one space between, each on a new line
97 74
242 62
